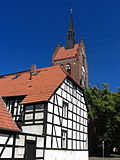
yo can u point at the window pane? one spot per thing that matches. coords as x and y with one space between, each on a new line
65 109
68 68
64 139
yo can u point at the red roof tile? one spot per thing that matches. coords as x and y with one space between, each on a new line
6 121
40 88
66 53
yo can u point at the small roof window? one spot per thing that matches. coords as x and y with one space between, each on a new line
4 77
36 73
16 76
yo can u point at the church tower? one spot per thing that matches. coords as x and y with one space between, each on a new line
72 57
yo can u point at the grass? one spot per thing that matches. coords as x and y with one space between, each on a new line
115 155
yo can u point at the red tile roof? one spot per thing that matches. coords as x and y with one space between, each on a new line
66 53
6 121
40 88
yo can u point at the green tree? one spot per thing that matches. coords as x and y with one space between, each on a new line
104 119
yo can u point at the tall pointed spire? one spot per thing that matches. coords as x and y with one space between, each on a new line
71 34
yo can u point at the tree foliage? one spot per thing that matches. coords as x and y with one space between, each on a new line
104 119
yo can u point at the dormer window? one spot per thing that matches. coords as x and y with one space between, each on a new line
68 68
16 76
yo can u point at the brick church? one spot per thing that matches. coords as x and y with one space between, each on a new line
72 57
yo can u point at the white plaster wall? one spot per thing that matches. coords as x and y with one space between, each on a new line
7 153
20 140
19 152
40 142
8 150
65 155
34 129
3 139
39 153
50 108
51 99
48 140
49 117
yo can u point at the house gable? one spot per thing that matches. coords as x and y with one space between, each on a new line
6 121
67 113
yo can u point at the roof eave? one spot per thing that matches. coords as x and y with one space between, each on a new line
10 130
25 103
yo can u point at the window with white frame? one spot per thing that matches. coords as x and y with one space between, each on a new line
64 139
74 90
82 82
65 109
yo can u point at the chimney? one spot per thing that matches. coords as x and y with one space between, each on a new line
32 71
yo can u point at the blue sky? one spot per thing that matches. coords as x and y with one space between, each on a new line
31 29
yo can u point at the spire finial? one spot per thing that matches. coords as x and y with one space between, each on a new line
71 34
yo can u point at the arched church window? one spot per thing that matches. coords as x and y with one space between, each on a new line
68 68
82 82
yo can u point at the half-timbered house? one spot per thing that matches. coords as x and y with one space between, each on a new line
43 116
